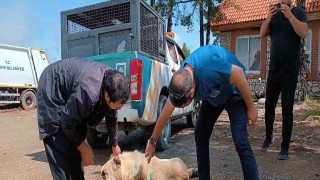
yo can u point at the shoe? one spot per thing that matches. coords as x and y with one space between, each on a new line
283 155
266 145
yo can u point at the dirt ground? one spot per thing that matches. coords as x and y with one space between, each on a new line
22 154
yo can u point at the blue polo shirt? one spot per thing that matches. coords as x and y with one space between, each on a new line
212 68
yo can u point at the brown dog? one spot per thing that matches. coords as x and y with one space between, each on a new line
134 165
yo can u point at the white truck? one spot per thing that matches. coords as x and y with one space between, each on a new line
20 70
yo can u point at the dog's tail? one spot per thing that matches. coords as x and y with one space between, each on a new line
193 172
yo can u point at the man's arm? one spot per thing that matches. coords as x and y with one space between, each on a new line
86 154
301 28
264 30
265 27
161 122
237 77
76 109
112 127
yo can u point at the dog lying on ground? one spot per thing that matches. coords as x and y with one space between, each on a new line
134 165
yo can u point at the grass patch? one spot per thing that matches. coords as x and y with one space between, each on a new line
313 103
310 113
314 107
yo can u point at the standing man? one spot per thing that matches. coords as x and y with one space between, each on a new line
286 25
215 76
73 94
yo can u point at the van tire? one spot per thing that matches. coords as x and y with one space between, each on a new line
28 100
193 116
96 139
163 141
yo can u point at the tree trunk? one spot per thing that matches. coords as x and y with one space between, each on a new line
153 4
201 23
170 15
208 28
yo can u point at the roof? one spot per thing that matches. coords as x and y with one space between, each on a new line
239 11
312 6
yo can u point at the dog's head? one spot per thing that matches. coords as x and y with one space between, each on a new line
111 170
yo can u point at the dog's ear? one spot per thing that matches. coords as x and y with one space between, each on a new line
116 163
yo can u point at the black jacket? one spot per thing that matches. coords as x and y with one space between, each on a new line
70 98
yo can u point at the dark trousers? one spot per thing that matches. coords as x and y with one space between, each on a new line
208 116
286 83
64 159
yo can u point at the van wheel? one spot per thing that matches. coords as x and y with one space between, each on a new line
96 139
28 100
163 141
193 117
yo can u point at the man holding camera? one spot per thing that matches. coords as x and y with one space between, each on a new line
286 25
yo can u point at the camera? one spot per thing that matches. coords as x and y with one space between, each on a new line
277 6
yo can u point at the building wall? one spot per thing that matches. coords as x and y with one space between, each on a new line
313 81
228 41
315 27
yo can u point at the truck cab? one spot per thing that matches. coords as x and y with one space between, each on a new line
129 36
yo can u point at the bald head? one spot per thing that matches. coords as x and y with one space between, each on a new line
179 88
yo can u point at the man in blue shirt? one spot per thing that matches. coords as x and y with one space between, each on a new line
215 76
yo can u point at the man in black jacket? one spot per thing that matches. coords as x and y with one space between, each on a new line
72 94
286 25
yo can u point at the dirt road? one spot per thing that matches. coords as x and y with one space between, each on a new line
22 154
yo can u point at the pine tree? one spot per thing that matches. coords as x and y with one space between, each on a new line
186 50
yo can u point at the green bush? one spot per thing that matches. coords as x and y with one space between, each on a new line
314 107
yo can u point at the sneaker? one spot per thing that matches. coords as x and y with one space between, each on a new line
266 145
283 155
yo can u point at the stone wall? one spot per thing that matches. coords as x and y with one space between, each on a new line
225 40
313 89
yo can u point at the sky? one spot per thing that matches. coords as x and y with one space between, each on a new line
36 23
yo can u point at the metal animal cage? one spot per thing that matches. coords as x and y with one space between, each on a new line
98 18
111 27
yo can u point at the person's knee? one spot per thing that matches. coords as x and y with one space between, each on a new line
242 146
287 109
201 142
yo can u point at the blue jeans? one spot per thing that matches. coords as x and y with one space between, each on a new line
208 115
286 83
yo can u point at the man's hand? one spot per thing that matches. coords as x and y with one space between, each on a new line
116 150
150 150
272 11
86 154
252 114
285 9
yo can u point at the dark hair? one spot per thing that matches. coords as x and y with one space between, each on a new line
117 86
179 88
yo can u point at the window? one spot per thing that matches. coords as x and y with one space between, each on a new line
248 52
181 55
172 52
307 48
